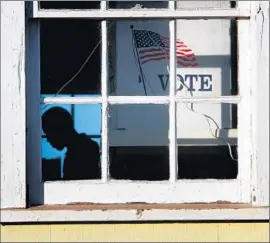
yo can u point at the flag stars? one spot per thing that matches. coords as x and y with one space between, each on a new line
147 39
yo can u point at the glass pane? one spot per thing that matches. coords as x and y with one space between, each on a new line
69 4
207 141
138 4
138 139
136 59
206 58
70 56
71 141
205 4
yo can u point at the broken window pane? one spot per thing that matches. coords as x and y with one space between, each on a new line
71 140
69 4
138 139
70 56
138 4
207 141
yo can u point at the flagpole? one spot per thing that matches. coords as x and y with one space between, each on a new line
138 59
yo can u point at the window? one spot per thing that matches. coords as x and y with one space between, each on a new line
157 95
145 126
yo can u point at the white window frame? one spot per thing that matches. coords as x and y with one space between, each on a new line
250 187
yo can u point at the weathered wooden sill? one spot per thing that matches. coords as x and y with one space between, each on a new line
136 212
137 206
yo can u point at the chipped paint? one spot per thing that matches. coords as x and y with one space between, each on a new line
13 131
13 189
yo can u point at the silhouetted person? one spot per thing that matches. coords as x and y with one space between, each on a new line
82 157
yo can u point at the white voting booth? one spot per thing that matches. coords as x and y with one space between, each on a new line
148 125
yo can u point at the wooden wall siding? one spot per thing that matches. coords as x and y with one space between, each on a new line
171 232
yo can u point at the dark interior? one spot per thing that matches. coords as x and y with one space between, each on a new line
213 162
65 45
154 166
96 4
143 4
69 4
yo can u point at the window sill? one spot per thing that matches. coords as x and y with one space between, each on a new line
134 212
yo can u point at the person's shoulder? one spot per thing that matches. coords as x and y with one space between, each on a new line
85 139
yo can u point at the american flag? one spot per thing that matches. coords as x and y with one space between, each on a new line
153 47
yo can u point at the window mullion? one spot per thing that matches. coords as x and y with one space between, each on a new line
103 5
172 105
104 88
244 111
145 14
244 128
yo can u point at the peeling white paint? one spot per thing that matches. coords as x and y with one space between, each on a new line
140 100
254 98
145 13
184 191
104 92
260 103
173 162
13 216
12 104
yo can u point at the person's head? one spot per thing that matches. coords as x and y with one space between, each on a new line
57 124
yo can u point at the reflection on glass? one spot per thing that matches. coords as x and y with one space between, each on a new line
70 56
71 142
138 139
207 141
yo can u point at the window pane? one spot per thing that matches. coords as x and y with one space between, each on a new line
207 141
206 55
205 4
70 56
137 61
138 138
71 141
69 4
138 4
